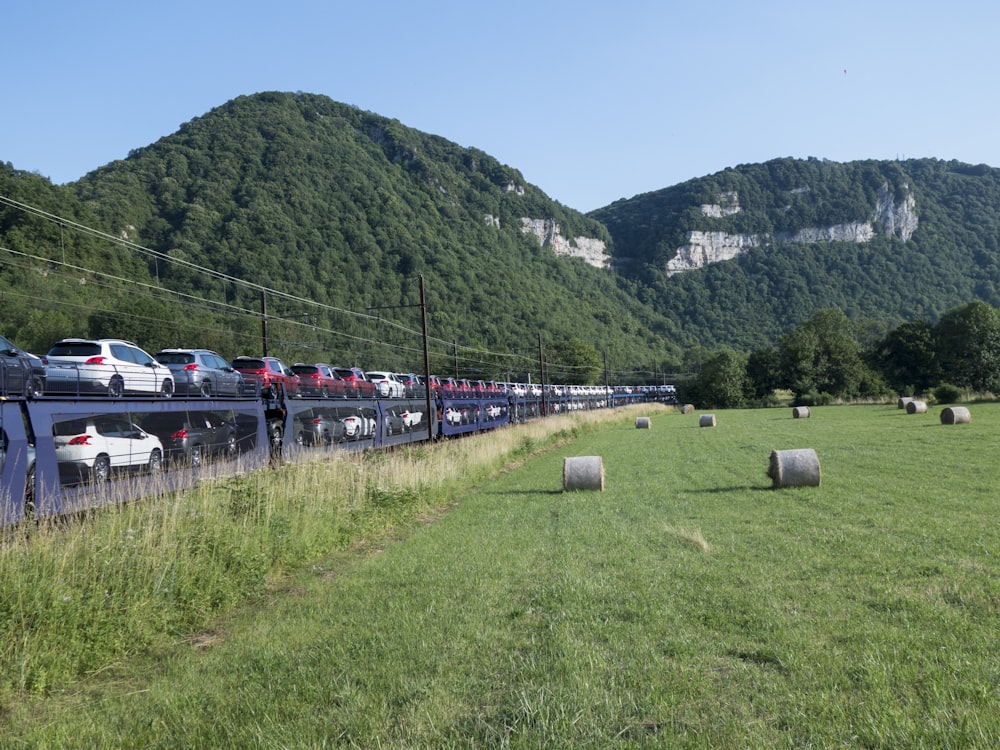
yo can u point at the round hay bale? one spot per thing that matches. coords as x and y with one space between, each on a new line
916 407
903 401
583 473
800 412
706 420
956 415
794 468
642 423
687 408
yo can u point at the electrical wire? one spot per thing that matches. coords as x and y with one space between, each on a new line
469 356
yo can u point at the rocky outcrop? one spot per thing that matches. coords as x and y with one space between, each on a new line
709 247
703 248
729 204
592 250
900 221
854 231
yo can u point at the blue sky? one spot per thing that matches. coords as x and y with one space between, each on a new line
592 101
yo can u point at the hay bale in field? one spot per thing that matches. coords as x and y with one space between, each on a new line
642 423
794 468
800 412
903 401
956 415
583 473
916 407
687 408
706 420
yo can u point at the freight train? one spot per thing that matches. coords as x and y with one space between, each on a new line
60 455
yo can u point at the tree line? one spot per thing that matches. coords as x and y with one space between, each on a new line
828 358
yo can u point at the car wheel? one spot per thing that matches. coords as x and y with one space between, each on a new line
102 469
231 447
195 457
206 389
167 388
325 393
300 439
37 387
275 438
115 387
155 461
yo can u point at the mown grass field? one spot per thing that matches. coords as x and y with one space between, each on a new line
687 605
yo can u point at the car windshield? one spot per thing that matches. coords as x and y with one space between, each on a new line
249 364
75 349
164 421
175 358
305 369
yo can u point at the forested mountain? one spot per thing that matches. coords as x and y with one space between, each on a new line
346 208
337 211
886 242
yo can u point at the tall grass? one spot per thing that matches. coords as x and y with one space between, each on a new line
83 593
688 605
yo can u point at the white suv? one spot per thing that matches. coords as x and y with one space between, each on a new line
110 367
386 384
93 447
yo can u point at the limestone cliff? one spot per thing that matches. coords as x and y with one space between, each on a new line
702 248
592 250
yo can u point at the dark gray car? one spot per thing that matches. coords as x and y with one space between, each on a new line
192 437
201 372
21 374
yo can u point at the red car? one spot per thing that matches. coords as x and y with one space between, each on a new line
356 385
271 373
319 380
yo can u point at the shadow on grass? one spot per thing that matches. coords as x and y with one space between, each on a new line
735 488
521 492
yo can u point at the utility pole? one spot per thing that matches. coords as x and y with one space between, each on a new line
263 321
427 361
541 371
607 384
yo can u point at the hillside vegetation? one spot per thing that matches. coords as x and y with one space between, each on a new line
347 208
336 212
950 259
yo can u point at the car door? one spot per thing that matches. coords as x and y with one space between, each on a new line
115 432
136 377
229 379
150 372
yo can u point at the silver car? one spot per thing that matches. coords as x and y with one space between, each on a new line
201 372
105 367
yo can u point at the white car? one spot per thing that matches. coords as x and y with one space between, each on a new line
492 411
358 426
109 367
386 384
411 418
93 447
452 415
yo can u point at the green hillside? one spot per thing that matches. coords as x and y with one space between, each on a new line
329 215
950 258
347 208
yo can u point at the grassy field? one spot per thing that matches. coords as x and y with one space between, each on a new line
687 605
